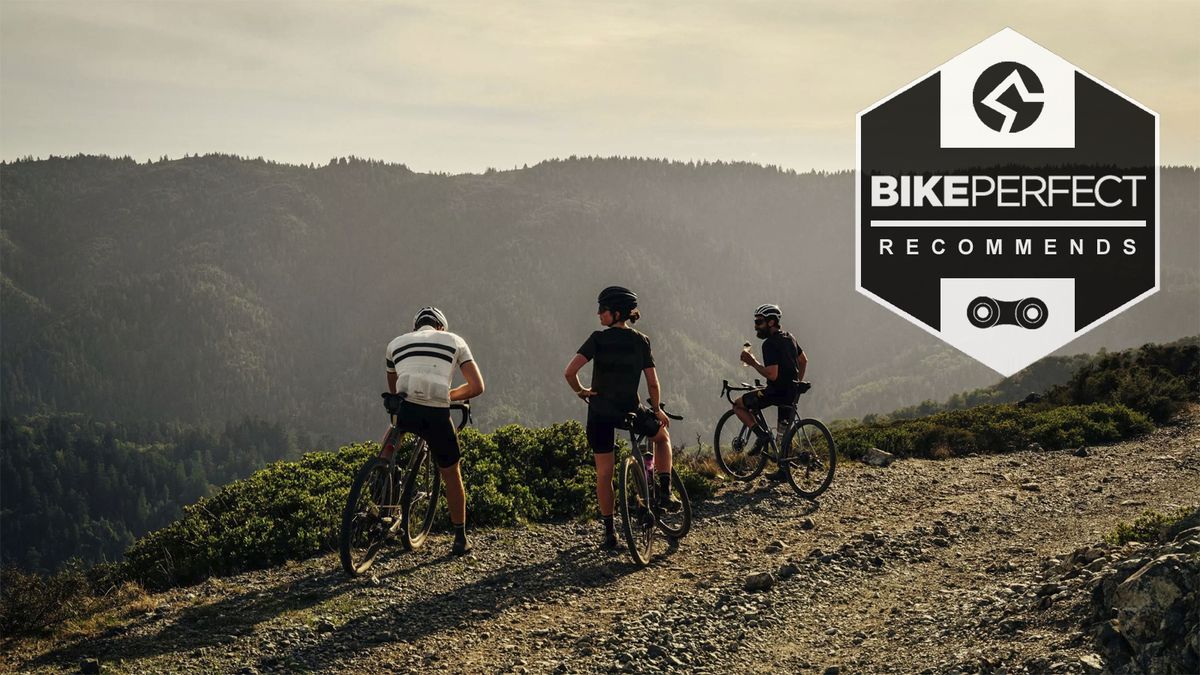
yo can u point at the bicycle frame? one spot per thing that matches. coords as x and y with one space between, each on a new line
388 495
641 511
396 438
638 448
774 452
635 446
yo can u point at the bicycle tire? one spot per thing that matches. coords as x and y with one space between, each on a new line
810 457
636 518
364 519
677 525
422 488
731 455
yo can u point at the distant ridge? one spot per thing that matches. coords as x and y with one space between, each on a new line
205 288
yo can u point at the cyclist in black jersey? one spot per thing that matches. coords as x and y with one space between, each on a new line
783 364
621 357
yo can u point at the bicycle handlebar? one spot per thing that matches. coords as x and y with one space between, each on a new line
465 408
663 405
392 403
727 389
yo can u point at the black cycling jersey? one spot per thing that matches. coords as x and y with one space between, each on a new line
619 356
780 349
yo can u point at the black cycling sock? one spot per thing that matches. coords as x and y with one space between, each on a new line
460 532
664 483
608 524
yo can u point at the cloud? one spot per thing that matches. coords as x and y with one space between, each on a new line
525 81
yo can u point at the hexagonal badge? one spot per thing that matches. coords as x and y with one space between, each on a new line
1007 202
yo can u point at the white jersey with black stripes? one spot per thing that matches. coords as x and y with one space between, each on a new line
424 362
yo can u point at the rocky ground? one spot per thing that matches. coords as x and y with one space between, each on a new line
976 564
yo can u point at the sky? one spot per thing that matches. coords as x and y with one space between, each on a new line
464 86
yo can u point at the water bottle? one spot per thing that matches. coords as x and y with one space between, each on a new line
649 457
745 350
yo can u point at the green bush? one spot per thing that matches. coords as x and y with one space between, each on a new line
287 510
994 428
518 474
699 486
1156 380
292 510
31 603
1149 527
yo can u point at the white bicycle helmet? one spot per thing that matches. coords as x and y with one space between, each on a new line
430 316
769 312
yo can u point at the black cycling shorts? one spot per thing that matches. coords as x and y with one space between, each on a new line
601 428
435 427
759 399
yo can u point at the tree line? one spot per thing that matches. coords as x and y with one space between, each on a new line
75 487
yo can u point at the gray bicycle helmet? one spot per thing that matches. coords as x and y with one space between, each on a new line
430 316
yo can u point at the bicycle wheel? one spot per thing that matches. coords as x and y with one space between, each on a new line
810 457
677 524
734 449
420 498
636 517
369 515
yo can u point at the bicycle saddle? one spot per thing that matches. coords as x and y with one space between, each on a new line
391 402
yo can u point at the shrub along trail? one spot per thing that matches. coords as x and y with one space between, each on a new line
922 565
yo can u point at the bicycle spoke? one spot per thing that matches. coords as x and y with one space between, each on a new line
735 447
676 523
368 516
636 515
420 498
810 457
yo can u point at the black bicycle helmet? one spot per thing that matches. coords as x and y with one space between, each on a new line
618 298
429 315
769 312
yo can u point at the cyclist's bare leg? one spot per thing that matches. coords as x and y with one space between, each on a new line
604 476
743 413
456 498
662 451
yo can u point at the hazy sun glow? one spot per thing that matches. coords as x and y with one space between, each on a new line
464 86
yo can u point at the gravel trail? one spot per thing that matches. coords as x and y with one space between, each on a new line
921 566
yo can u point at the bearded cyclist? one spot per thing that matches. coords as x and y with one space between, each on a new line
421 366
783 365
622 356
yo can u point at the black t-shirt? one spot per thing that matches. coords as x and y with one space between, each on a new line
619 355
780 349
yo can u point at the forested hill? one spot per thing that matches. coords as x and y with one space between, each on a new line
208 288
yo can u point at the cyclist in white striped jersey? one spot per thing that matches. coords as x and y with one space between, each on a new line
421 366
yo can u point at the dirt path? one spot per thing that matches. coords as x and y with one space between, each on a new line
925 565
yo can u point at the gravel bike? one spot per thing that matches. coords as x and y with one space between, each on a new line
804 450
392 495
638 497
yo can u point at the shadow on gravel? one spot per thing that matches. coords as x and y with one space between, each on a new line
773 500
213 624
460 608
229 619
